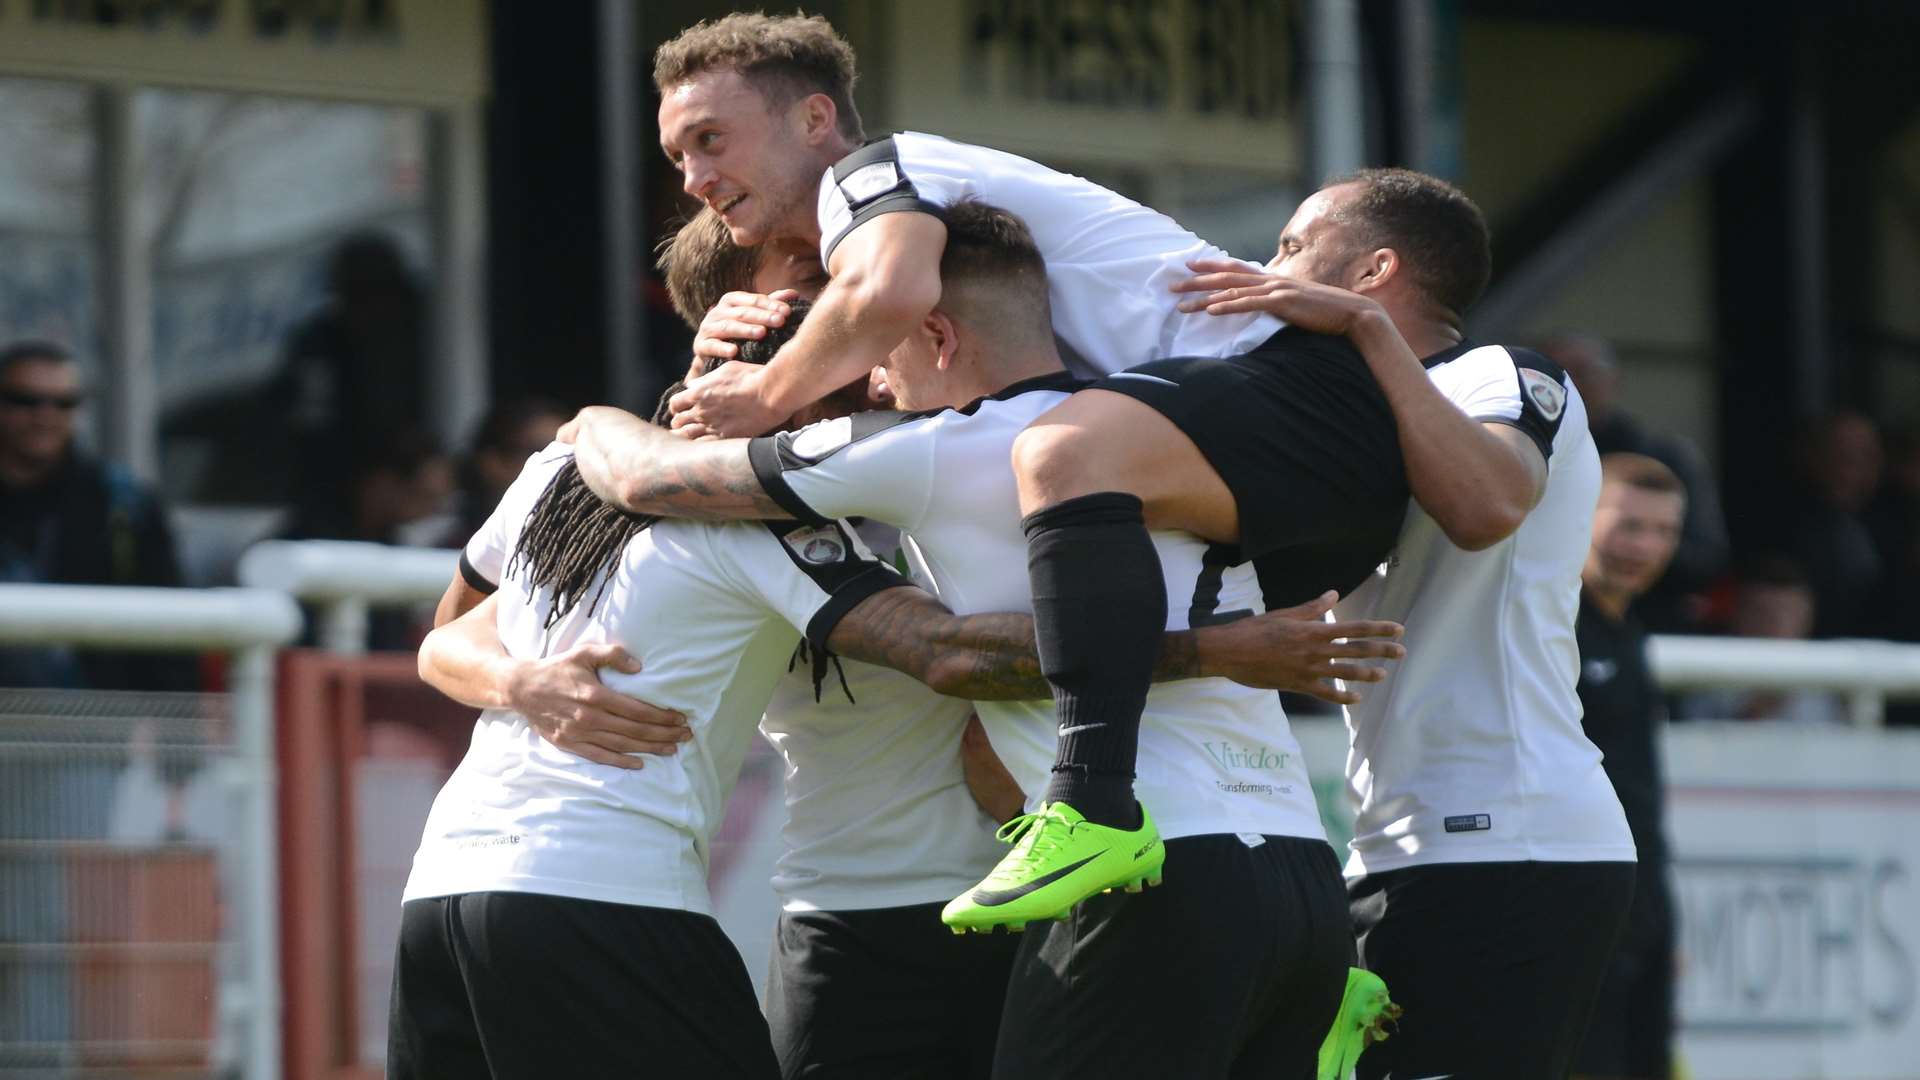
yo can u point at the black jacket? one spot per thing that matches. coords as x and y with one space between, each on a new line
90 523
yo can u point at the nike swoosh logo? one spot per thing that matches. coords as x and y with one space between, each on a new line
1441 1076
995 899
1078 727
1137 375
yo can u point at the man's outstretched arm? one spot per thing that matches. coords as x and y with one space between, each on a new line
886 278
645 469
992 657
1478 481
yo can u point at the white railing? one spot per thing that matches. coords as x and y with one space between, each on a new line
249 624
1865 672
346 579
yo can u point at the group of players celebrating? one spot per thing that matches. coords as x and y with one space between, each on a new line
823 533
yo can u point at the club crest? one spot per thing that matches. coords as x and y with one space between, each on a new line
817 546
1545 391
869 182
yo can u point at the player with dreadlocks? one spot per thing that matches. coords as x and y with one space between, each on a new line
538 869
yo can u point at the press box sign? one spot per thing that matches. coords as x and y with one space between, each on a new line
1145 82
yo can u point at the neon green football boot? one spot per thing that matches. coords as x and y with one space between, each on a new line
1365 1011
1058 859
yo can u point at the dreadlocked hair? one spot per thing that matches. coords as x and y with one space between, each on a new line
572 540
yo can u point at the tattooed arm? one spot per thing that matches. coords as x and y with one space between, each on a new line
991 657
644 469
988 657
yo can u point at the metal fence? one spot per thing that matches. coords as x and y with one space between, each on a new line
117 853
138 906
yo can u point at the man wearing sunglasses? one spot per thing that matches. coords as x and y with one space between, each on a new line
67 518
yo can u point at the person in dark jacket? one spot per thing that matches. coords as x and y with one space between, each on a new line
1829 531
512 431
1636 528
68 518
1667 607
355 372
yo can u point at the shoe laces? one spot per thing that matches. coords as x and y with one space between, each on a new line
1032 835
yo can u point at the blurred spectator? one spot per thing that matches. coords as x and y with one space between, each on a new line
67 518
1772 599
1895 522
1839 466
1666 608
394 481
399 485
512 431
354 371
1636 529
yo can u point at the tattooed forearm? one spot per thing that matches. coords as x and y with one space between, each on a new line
994 659
986 657
1179 657
646 470
706 482
981 657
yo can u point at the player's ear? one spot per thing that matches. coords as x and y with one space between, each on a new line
819 118
1374 269
945 336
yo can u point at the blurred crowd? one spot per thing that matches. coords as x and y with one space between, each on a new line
339 432
1842 555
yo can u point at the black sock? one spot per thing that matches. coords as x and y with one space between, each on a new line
1099 609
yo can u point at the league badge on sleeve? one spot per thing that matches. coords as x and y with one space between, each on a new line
819 546
1545 392
869 182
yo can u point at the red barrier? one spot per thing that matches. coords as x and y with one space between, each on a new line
338 714
144 926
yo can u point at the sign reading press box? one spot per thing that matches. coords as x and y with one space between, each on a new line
1146 82
1796 852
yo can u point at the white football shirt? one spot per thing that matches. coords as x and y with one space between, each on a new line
878 812
711 612
1472 750
1111 262
1214 756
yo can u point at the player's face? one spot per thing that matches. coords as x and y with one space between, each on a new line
1315 245
748 161
1635 533
795 267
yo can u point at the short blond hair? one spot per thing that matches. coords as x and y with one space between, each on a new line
786 57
